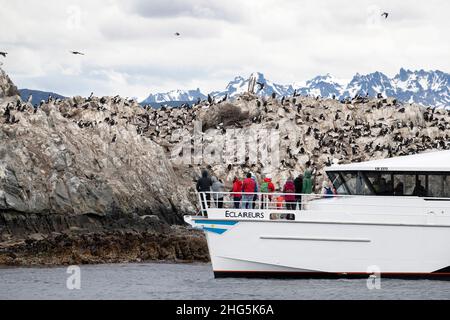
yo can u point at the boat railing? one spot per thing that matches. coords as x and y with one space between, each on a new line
254 200
257 200
291 201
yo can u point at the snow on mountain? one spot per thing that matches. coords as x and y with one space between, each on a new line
371 84
240 85
324 86
175 96
428 88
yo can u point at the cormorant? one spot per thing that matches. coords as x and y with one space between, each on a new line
261 85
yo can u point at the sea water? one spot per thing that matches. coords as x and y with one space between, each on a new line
195 281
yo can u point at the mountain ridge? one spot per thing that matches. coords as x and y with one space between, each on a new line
37 95
428 88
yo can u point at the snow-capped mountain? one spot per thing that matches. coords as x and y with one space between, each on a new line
324 86
371 84
428 88
240 85
175 96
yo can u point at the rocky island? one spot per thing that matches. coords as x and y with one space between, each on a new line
99 179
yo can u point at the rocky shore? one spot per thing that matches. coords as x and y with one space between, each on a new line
87 239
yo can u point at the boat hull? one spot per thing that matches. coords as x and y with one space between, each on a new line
328 247
326 275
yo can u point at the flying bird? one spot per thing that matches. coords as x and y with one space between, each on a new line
3 54
77 53
385 15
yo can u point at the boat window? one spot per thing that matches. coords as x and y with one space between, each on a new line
446 192
391 183
363 185
349 181
405 184
438 186
337 182
420 186
382 184
282 216
399 185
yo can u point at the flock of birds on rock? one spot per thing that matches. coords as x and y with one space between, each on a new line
321 131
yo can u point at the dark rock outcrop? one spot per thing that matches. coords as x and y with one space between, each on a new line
87 239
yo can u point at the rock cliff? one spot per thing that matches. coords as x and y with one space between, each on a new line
81 156
81 167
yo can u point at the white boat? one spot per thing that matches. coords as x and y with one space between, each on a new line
374 224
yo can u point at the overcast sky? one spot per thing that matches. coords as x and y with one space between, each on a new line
131 48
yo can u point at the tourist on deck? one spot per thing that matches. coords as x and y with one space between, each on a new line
217 188
383 186
327 191
298 182
389 188
204 185
398 190
267 187
289 197
236 192
248 188
419 189
255 196
377 184
307 180
279 201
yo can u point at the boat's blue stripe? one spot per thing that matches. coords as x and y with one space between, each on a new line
215 230
220 222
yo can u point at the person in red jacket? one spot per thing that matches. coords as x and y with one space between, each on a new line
289 187
236 192
248 187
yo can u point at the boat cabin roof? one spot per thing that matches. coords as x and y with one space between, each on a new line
434 161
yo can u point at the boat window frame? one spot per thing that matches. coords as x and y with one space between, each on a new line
392 173
344 183
341 178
